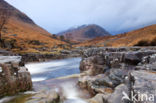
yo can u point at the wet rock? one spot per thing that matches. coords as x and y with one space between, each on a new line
132 58
144 86
45 97
99 98
13 77
117 95
86 64
100 60
140 89
92 85
94 65
103 83
147 63
117 76
111 73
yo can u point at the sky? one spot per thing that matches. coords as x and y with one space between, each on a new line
116 16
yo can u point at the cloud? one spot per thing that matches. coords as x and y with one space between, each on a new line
116 16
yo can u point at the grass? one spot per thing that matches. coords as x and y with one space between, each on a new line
30 38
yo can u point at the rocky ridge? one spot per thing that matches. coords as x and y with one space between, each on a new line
119 75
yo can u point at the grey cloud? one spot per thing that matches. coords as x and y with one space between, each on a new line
115 16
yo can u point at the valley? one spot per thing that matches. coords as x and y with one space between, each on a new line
82 64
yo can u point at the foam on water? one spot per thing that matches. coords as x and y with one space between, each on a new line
38 79
71 93
75 101
30 92
36 68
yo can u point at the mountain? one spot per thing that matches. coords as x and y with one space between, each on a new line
84 32
126 39
25 35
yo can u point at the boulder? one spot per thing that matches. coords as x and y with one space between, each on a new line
147 63
144 86
93 85
103 83
99 98
132 58
117 95
45 97
13 77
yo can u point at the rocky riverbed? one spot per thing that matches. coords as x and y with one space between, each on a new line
119 75
54 81
107 75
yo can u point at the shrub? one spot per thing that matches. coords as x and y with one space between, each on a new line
146 43
36 42
62 37
153 42
142 43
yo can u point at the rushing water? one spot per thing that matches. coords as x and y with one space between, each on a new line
73 95
54 69
45 71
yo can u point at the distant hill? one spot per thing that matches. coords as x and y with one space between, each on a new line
126 39
84 32
26 35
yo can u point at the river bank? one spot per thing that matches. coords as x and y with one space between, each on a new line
41 57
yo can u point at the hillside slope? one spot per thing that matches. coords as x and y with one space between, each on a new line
127 39
84 32
26 35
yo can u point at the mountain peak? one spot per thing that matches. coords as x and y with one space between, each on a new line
85 32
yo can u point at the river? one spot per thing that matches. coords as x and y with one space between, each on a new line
47 75
54 69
